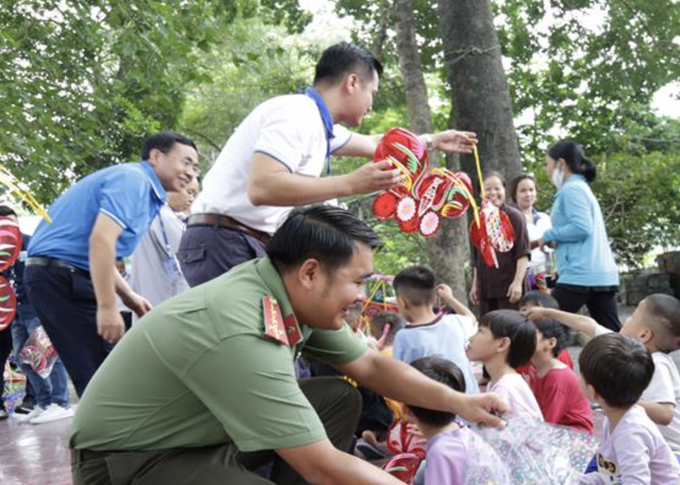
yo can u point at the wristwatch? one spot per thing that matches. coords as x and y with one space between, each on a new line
429 144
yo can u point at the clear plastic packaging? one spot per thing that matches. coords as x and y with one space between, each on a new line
527 452
39 353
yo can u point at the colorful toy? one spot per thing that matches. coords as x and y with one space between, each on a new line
408 449
424 196
491 230
10 247
379 289
39 353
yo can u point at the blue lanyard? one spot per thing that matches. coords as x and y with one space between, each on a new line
327 123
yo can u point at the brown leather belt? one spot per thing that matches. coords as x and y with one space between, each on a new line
227 222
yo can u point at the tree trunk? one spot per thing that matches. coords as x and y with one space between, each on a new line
448 250
419 112
381 35
481 96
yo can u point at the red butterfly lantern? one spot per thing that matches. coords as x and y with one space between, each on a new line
10 247
425 196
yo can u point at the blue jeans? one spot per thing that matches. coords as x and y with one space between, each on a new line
52 389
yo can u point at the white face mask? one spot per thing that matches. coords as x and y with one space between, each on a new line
557 178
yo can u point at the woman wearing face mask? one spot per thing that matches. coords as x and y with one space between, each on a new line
587 271
502 287
523 193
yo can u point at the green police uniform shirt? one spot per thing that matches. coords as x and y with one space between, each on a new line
198 371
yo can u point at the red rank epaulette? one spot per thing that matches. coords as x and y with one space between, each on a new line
273 321
292 329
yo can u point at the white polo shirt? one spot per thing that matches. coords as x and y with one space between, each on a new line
287 128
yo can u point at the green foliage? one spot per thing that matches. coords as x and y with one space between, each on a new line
399 251
252 62
82 83
640 203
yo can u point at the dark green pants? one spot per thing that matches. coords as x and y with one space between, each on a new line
336 402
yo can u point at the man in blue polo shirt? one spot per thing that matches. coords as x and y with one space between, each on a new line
70 273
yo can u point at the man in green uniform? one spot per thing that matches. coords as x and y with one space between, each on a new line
203 389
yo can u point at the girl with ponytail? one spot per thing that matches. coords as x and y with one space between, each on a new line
587 272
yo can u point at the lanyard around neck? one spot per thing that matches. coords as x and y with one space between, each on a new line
327 123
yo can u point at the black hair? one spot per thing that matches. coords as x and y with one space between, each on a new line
344 58
385 325
551 328
416 284
164 141
664 313
574 156
539 298
515 184
6 210
618 367
516 327
498 175
322 232
445 372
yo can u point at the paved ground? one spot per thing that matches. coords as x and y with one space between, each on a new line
34 454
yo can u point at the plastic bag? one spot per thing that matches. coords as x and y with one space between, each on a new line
39 353
528 452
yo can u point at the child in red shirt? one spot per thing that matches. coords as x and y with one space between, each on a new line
555 385
532 299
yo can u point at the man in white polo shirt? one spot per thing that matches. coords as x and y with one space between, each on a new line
274 160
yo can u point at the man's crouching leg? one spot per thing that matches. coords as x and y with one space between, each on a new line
338 405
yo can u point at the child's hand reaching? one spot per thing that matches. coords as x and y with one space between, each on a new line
536 313
445 292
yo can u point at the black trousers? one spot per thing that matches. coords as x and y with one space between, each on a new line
336 402
5 351
66 305
601 304
206 252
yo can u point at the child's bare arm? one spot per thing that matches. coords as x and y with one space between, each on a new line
446 294
659 412
580 323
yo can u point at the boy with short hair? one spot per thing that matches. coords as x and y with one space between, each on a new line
555 385
615 370
428 334
447 440
656 323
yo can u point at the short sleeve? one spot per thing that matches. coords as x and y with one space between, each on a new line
249 385
284 136
522 247
121 194
341 137
660 388
447 466
334 347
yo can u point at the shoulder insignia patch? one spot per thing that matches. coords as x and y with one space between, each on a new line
273 321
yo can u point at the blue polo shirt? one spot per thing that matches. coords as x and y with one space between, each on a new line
131 194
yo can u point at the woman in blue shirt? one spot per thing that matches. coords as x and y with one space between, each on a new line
588 274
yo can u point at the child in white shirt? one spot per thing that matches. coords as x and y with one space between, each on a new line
614 371
505 341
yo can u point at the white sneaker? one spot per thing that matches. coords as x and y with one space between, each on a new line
35 412
54 412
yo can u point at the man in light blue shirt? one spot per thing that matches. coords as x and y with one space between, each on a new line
70 272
